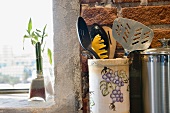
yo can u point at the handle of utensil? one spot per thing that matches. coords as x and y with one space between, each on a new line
94 53
164 42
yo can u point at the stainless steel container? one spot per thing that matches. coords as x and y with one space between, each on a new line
156 80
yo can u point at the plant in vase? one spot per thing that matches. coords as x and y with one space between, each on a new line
37 88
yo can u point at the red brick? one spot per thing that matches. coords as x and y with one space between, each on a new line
89 1
148 15
117 1
84 61
101 16
156 0
119 54
159 34
124 1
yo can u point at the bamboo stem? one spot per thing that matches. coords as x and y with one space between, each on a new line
38 59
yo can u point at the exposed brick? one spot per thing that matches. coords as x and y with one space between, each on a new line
118 46
124 1
101 16
89 1
117 1
119 54
84 59
159 34
156 0
148 14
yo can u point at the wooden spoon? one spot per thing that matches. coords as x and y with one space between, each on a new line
112 41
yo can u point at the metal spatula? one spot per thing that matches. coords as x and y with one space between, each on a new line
132 35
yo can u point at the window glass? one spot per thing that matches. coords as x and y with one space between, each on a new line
17 66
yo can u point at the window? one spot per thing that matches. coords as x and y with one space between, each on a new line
17 66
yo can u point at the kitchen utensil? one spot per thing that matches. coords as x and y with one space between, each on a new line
97 29
155 79
112 41
37 88
164 42
132 35
98 45
84 37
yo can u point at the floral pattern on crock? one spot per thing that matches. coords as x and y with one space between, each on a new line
112 83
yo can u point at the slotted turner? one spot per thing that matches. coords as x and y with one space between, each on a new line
132 35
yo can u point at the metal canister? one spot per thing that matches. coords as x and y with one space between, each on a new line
156 80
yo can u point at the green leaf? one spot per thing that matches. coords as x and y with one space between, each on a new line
50 56
26 36
28 32
44 29
35 37
37 34
43 35
29 26
33 42
38 30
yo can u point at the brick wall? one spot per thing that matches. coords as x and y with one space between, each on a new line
156 15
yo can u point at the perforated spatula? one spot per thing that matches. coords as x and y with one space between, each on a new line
132 35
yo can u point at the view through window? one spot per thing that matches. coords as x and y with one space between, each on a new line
17 66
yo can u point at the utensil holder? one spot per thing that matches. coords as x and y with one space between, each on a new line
109 85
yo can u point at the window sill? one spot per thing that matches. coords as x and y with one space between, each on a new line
16 101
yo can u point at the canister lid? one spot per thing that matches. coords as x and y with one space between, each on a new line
156 51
